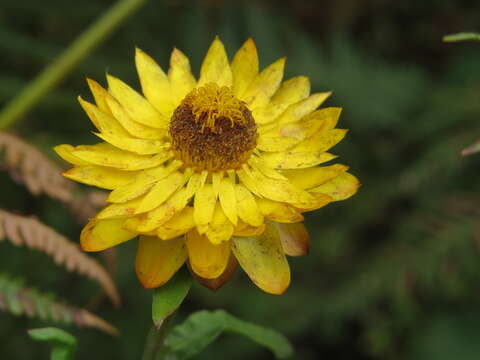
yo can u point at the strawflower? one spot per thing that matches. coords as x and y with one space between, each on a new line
214 172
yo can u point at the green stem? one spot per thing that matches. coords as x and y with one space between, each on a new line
155 348
462 37
77 51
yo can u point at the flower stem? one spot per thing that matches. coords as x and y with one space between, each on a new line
155 348
64 63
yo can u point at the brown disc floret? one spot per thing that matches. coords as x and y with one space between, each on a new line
212 130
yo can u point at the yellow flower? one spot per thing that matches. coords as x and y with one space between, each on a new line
216 171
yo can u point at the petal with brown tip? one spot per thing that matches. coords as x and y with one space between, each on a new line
295 238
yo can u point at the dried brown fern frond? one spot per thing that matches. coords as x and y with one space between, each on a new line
30 232
27 164
17 299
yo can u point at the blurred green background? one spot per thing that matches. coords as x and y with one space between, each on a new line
393 273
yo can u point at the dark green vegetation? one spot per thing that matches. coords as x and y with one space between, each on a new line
393 273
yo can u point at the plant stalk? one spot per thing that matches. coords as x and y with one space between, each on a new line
462 37
155 348
66 62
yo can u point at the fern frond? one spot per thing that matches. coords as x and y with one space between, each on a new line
29 166
39 174
18 300
27 231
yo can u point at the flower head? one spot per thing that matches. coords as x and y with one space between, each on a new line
216 172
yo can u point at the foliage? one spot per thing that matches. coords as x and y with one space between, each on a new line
29 166
166 299
203 327
63 344
35 235
20 300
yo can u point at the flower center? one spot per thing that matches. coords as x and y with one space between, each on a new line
212 130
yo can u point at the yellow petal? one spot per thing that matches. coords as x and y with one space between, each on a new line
99 94
264 85
161 191
289 134
321 141
101 177
263 259
106 155
276 142
206 259
318 201
197 180
204 205
137 146
232 175
244 174
247 207
119 210
259 164
65 152
220 229
99 235
295 238
139 109
292 90
215 67
279 212
216 180
178 225
279 190
267 114
85 105
303 128
339 188
159 216
158 260
155 84
328 116
313 177
218 282
243 229
304 107
141 183
105 123
244 67
228 200
133 128
129 191
296 160
132 224
315 130
265 129
180 76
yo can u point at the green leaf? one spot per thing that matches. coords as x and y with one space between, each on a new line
167 298
203 327
464 36
64 344
52 334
